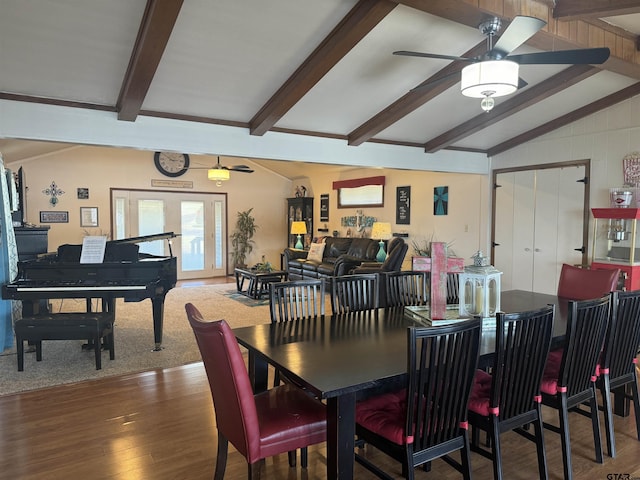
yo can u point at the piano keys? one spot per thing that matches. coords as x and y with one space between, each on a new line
125 273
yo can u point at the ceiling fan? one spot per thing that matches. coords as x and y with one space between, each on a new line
220 173
495 72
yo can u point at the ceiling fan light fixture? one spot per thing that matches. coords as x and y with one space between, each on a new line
491 78
218 175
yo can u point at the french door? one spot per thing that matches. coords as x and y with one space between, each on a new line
198 218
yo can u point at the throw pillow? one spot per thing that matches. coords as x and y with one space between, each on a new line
315 252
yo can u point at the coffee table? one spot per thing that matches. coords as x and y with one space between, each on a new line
258 281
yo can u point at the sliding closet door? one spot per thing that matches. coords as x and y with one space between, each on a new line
539 224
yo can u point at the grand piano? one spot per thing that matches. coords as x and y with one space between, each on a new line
124 273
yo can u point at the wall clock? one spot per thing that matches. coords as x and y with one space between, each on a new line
171 164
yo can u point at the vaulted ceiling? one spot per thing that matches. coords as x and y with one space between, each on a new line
314 67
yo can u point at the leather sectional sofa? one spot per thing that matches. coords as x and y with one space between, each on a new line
341 256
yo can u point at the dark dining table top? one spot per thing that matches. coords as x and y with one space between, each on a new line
334 355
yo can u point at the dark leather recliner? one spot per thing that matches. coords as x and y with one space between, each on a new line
396 251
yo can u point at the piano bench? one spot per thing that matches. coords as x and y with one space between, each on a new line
90 326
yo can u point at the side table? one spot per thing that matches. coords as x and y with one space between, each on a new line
258 282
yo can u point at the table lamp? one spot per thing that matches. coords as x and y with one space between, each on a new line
381 231
299 228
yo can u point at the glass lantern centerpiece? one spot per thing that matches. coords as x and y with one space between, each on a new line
479 288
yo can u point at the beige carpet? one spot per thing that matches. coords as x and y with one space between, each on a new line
66 362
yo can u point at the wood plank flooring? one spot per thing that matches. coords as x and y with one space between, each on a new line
160 425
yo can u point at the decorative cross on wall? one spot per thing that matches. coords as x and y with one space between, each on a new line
54 191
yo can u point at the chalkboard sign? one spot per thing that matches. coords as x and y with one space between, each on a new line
324 207
403 205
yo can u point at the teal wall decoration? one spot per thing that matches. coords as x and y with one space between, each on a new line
440 200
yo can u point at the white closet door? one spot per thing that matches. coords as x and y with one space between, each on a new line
538 226
504 215
523 228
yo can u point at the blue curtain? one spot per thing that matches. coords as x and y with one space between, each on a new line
9 310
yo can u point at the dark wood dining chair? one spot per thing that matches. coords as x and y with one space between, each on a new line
569 378
585 284
427 419
618 362
509 398
296 300
269 423
354 293
406 288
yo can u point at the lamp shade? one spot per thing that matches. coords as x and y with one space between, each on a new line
298 228
491 78
218 174
381 231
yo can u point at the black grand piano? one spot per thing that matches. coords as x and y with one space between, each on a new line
124 273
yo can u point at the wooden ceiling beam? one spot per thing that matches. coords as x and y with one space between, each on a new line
601 104
583 9
155 29
551 86
414 99
362 18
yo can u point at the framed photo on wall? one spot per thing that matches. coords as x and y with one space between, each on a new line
88 216
54 217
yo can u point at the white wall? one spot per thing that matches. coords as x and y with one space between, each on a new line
604 137
102 168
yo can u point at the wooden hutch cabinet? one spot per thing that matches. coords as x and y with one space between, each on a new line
300 209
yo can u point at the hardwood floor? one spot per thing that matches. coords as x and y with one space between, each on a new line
160 425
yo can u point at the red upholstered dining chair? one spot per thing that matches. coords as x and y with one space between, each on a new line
279 420
617 369
428 419
584 284
569 378
509 398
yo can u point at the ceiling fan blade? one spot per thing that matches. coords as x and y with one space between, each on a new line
593 56
243 170
522 83
407 53
520 30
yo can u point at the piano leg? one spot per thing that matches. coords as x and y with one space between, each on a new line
158 315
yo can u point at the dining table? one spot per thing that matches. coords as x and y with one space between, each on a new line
343 358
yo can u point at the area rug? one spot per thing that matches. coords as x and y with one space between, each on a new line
243 299
66 362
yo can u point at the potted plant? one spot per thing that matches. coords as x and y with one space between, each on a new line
241 238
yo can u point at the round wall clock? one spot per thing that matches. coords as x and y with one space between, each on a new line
171 164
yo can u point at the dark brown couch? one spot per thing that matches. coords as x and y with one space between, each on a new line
341 256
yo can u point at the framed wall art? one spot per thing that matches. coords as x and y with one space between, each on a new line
88 216
54 217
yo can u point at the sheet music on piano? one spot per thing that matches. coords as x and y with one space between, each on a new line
93 248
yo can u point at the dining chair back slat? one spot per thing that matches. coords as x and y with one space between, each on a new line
427 420
617 369
296 300
569 380
509 397
353 293
406 288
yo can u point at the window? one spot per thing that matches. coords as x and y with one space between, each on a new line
360 192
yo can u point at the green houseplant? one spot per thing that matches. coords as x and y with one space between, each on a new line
241 238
